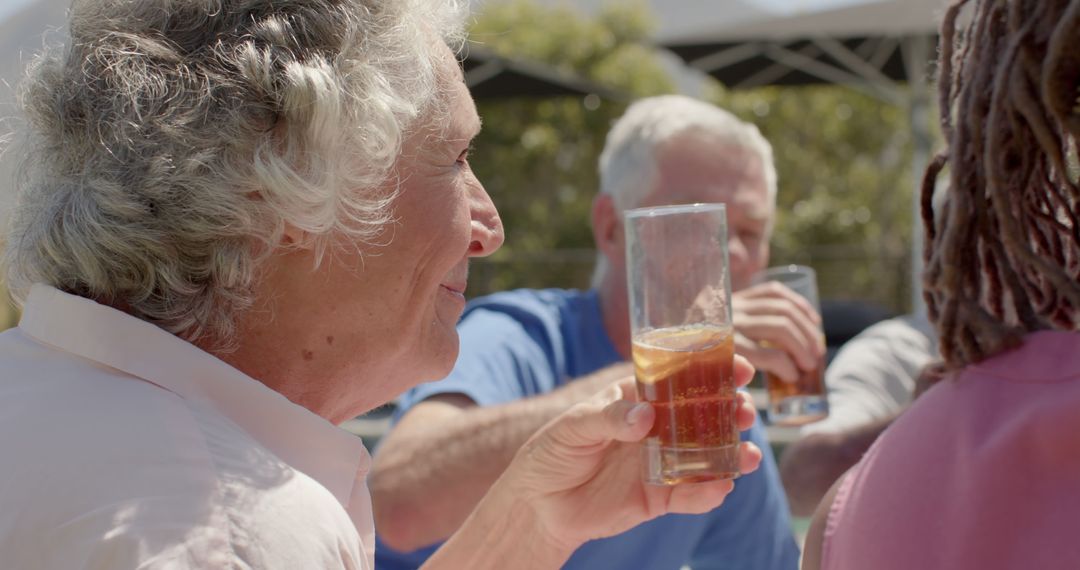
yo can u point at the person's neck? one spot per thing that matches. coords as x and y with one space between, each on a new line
614 310
269 356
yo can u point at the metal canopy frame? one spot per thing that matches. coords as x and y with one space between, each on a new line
492 76
877 66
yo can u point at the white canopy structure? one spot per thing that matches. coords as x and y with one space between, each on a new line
786 19
868 46
874 46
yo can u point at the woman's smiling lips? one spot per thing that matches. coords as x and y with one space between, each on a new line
456 290
456 281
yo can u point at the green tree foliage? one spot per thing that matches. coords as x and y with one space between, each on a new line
8 316
537 157
845 199
843 159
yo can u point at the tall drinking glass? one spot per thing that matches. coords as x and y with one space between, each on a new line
804 400
683 346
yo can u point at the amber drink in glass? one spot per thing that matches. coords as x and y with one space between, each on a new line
683 346
804 400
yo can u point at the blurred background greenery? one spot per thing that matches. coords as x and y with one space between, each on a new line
844 159
8 317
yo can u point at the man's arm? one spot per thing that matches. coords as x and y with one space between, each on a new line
440 460
811 465
870 383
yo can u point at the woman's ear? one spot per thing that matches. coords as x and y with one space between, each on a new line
295 238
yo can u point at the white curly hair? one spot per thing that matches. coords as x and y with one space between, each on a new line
169 144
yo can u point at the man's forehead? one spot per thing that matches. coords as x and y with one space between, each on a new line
750 200
758 210
696 156
722 182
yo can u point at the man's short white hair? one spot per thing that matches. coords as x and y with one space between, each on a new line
628 161
171 142
628 170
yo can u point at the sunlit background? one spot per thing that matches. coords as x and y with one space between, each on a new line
551 76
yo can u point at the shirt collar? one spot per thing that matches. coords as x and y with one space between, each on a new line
302 439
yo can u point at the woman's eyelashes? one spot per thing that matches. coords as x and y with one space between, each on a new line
463 158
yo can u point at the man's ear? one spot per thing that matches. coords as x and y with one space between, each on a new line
606 226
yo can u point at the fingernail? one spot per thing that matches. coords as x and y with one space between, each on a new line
635 413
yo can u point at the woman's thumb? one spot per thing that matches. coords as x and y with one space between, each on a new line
596 422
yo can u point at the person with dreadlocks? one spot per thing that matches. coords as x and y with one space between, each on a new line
983 471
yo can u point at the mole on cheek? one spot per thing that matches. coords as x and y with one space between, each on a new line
307 354
329 340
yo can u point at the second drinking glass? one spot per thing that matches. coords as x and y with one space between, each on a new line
804 400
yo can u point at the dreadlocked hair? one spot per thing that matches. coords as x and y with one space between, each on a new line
1003 258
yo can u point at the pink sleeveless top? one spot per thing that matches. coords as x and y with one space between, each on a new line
982 473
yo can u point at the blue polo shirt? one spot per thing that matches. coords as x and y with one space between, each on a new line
524 343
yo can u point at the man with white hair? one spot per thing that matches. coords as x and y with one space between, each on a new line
526 355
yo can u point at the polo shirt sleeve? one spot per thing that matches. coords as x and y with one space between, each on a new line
752 529
504 356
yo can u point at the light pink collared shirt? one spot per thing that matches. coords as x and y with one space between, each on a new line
123 446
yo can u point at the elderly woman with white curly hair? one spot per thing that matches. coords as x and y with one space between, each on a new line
240 223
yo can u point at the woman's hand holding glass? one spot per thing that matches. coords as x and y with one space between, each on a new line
581 474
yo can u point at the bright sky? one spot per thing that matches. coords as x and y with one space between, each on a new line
784 7
796 6
8 7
